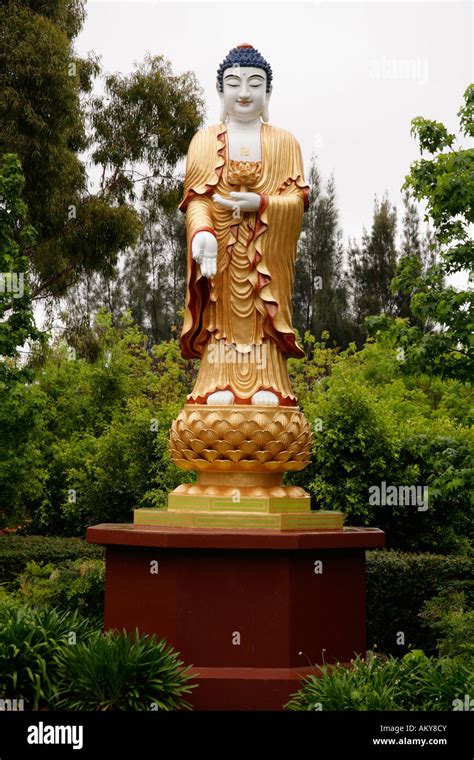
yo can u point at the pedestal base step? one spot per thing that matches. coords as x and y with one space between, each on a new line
245 688
200 518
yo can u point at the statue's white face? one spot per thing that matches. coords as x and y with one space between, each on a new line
245 94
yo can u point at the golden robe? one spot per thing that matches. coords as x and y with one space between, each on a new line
240 321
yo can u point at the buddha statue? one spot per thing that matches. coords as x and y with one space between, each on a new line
244 198
241 428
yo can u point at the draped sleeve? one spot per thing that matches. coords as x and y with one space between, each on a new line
204 164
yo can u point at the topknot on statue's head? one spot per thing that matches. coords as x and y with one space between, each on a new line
244 55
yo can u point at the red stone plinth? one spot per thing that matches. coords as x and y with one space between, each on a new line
292 599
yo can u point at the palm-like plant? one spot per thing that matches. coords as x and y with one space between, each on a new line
119 671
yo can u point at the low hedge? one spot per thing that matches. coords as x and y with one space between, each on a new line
75 584
398 585
16 551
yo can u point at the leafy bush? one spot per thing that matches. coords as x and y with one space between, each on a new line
111 475
398 586
97 432
29 642
372 424
121 672
74 584
56 658
17 550
450 618
416 682
23 473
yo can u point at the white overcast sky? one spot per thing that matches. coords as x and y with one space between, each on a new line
348 76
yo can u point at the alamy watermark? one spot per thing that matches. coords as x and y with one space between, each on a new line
391 495
12 705
400 69
237 353
466 704
42 733
13 282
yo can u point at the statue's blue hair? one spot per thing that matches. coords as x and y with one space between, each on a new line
244 55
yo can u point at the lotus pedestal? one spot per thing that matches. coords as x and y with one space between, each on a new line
240 455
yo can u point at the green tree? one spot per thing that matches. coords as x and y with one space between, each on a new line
320 298
16 314
446 183
154 279
137 131
141 128
42 121
421 247
20 400
372 267
149 282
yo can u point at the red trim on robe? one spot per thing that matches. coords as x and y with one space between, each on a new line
199 295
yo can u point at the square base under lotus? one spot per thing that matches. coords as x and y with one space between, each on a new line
187 511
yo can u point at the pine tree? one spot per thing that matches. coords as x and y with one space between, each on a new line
421 248
154 274
320 301
411 245
372 266
149 282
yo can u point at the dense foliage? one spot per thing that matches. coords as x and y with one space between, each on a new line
57 659
88 441
445 183
17 550
405 603
118 671
73 585
373 424
417 682
16 313
30 639
139 125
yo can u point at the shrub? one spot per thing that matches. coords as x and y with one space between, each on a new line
452 622
128 466
116 671
29 642
74 584
398 585
355 447
17 550
377 425
416 682
105 430
86 424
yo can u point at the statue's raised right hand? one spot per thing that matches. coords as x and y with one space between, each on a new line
204 251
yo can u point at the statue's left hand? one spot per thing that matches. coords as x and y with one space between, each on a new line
239 201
